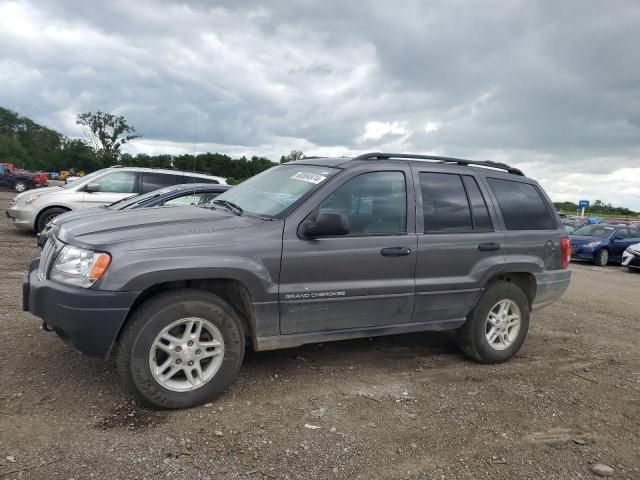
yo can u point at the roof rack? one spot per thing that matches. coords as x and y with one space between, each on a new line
432 158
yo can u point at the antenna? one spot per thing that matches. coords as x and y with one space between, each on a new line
195 149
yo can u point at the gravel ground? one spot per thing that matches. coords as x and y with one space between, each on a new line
408 406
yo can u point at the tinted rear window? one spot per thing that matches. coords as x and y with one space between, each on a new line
154 181
189 179
523 206
444 203
481 218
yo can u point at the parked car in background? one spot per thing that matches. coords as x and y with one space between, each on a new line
33 210
631 257
310 251
197 194
20 180
602 243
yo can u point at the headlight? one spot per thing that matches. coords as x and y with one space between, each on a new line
593 244
79 267
28 199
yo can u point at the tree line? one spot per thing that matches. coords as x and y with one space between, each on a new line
596 208
31 146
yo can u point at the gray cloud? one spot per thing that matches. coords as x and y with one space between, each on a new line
553 86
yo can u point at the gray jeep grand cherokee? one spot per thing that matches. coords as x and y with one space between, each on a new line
315 250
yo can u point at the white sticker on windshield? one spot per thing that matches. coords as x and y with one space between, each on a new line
309 177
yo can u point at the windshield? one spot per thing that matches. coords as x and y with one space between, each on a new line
84 179
594 231
272 191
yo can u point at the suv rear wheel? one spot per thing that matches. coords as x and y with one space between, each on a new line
180 349
496 328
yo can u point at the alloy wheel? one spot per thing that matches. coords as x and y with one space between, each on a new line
186 354
503 324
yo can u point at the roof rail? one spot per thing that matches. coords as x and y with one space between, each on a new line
432 158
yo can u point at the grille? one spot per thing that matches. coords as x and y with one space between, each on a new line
48 254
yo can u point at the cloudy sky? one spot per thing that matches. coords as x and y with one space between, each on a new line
550 86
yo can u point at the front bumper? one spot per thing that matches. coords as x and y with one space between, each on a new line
87 320
22 216
631 259
579 252
550 286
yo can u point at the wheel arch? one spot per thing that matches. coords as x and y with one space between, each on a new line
231 290
44 209
526 281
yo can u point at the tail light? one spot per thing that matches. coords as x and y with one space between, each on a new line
565 249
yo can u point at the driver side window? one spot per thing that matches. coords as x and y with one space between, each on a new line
374 203
117 182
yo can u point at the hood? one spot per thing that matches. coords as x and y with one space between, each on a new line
76 214
635 248
158 223
39 191
582 239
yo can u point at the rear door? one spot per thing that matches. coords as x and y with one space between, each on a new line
459 243
359 280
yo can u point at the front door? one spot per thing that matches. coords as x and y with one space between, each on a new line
359 280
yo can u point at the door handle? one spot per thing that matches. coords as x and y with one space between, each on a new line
395 252
489 246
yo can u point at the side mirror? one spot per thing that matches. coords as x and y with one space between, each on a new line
619 236
326 224
92 187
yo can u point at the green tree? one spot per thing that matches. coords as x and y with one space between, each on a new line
107 133
26 143
292 156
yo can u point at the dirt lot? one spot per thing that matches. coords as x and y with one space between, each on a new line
398 407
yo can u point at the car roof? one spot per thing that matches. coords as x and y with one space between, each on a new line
334 162
414 159
167 171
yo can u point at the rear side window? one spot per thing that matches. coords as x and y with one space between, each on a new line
453 203
154 181
444 203
188 179
523 206
479 210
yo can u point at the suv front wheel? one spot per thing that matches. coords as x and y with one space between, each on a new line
496 328
180 349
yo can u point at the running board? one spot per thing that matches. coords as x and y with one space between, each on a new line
289 341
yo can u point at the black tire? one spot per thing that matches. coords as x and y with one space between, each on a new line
47 215
20 186
148 320
472 335
602 258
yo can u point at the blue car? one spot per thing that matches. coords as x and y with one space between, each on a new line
602 243
174 196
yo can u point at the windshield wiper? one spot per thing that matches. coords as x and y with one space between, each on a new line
230 206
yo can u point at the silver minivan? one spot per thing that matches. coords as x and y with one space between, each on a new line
33 209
